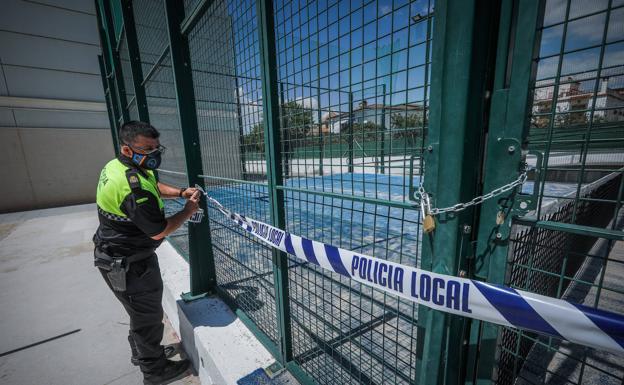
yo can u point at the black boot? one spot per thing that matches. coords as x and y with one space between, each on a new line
171 371
170 351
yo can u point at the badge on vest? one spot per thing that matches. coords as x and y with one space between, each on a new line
133 180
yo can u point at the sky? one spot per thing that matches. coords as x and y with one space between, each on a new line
582 44
329 48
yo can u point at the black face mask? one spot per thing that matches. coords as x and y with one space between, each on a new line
149 161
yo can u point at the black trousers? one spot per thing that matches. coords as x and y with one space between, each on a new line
143 303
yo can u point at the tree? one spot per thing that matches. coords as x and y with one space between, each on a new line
402 120
254 140
296 122
408 126
366 131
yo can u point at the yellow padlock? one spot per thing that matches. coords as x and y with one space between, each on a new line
428 224
500 218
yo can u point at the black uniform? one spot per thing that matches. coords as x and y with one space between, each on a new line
130 211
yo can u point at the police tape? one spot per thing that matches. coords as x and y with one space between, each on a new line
479 300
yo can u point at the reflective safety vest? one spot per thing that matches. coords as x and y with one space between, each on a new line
117 181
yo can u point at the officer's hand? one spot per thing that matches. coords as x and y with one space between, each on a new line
188 193
192 204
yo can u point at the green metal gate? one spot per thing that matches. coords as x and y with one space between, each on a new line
566 248
322 118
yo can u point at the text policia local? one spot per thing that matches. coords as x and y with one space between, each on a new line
268 233
425 288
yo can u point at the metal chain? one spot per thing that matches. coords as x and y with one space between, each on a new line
424 198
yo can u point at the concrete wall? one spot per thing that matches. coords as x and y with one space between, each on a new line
50 167
54 129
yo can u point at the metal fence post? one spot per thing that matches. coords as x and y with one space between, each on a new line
351 134
508 123
109 110
109 86
201 258
288 144
116 62
382 167
272 134
320 128
461 56
241 131
239 112
135 59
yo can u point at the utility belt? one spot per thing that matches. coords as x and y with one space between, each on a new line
117 266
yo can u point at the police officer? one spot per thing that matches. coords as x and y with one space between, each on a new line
132 226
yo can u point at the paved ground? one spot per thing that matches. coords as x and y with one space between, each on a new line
49 287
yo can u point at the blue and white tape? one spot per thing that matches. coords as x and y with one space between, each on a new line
479 300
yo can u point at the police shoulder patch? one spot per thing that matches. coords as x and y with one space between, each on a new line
133 179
